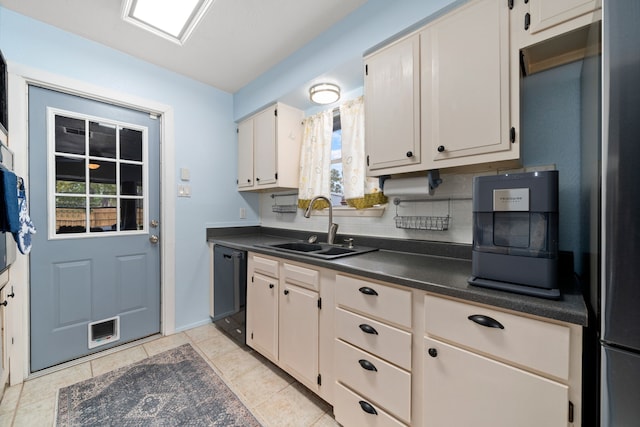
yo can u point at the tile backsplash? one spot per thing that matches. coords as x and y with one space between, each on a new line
457 187
452 198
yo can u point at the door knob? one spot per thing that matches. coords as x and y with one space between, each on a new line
154 239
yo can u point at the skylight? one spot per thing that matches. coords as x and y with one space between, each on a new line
172 19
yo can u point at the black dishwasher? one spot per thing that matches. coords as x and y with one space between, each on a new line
229 293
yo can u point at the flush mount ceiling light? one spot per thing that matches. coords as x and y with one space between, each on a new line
324 93
173 20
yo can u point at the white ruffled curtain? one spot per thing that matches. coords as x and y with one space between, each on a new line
359 191
315 160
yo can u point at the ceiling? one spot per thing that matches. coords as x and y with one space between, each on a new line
236 41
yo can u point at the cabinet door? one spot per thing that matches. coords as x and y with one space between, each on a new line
465 85
298 330
548 13
464 389
264 142
262 315
392 106
245 154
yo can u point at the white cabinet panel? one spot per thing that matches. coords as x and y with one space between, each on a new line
262 315
298 333
465 389
465 86
392 106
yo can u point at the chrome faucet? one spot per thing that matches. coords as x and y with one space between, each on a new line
333 228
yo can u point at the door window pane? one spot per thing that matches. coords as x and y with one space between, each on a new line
70 135
131 214
130 180
102 177
70 175
103 214
70 215
131 144
102 140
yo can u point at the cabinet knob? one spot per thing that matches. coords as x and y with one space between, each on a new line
286 292
257 179
433 352
271 286
440 148
248 179
409 153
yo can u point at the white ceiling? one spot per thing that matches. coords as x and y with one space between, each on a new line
235 42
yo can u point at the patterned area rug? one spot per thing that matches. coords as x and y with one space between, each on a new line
173 388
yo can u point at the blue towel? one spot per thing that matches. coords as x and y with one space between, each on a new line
23 236
9 216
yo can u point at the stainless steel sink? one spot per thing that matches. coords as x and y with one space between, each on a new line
318 250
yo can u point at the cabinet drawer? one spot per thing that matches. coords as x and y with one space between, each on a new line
349 411
531 343
384 302
266 266
301 276
387 342
383 383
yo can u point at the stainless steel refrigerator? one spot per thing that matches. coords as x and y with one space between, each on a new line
619 284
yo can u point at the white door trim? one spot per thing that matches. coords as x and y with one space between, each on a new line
20 76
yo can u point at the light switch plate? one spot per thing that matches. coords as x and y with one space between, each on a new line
184 190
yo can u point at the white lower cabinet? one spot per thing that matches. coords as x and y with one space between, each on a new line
488 367
298 333
372 353
462 388
388 355
283 316
262 319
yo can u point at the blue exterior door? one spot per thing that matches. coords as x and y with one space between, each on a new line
94 198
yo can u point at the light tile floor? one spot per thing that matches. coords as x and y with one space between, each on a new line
273 396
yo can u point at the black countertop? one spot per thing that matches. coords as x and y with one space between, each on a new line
434 267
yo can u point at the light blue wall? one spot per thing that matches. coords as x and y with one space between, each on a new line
205 139
550 120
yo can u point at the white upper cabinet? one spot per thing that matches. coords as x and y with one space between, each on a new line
245 154
465 86
552 33
545 14
443 95
392 106
269 149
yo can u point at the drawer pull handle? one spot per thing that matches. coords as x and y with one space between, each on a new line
367 329
366 407
367 365
368 291
486 321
